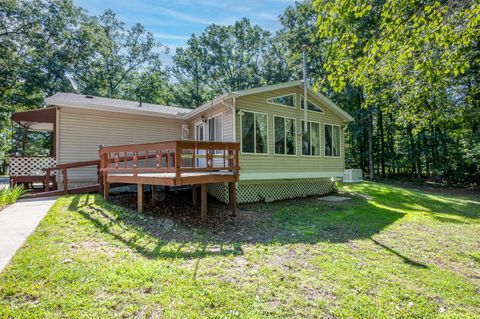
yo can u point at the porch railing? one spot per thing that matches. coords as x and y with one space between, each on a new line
170 157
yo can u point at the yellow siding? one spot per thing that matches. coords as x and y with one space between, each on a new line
227 122
80 133
253 165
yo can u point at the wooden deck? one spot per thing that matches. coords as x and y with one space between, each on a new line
173 163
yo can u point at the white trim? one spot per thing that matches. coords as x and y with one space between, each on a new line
207 105
325 140
284 133
294 106
267 88
310 133
287 175
234 119
336 109
254 135
308 100
105 108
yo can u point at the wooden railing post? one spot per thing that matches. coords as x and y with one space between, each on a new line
178 164
47 180
65 180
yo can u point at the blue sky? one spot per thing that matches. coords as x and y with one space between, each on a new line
172 22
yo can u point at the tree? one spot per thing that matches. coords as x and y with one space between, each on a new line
225 59
120 54
416 53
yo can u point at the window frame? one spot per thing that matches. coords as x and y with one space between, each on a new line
288 106
285 133
308 100
203 127
208 125
254 135
339 142
319 137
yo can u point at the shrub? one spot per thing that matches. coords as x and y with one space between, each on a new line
10 195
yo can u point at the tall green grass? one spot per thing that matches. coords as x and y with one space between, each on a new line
10 195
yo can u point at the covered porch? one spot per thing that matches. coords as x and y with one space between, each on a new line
26 168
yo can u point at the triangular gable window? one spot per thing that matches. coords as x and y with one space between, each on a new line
283 100
311 106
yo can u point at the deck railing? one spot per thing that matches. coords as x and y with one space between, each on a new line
170 157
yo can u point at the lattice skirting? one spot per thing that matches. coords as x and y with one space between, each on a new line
272 190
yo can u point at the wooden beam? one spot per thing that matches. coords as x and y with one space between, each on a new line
203 195
154 197
232 197
140 198
195 196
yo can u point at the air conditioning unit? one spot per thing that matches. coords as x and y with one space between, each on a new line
352 175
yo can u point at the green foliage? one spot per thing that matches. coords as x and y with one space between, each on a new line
417 63
227 58
10 195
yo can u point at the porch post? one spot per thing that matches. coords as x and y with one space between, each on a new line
25 140
195 196
140 198
232 197
203 195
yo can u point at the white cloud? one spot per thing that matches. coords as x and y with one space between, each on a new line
170 36
182 16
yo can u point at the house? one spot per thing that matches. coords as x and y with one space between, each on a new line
277 160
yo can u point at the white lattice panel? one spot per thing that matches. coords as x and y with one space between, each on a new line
30 166
272 190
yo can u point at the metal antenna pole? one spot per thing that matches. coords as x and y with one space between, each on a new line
305 124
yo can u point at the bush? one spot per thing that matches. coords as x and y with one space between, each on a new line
10 195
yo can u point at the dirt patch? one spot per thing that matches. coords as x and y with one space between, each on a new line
174 218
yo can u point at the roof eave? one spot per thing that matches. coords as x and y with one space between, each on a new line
98 107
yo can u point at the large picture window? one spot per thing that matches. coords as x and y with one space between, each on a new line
283 100
310 106
254 132
311 140
285 137
332 140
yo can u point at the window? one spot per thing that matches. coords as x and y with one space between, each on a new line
199 130
254 132
215 128
332 140
311 140
284 100
310 105
285 136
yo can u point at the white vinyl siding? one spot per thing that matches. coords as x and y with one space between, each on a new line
82 131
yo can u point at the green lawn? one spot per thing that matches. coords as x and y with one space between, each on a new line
388 252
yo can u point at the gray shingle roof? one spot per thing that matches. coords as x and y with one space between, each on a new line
88 101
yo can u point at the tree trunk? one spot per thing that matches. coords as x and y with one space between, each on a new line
370 145
382 141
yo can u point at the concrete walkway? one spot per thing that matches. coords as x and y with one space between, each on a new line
17 222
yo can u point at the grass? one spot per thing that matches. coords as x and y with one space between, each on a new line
388 252
10 195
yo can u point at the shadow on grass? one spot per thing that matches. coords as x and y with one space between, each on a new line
411 200
134 230
302 221
404 258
